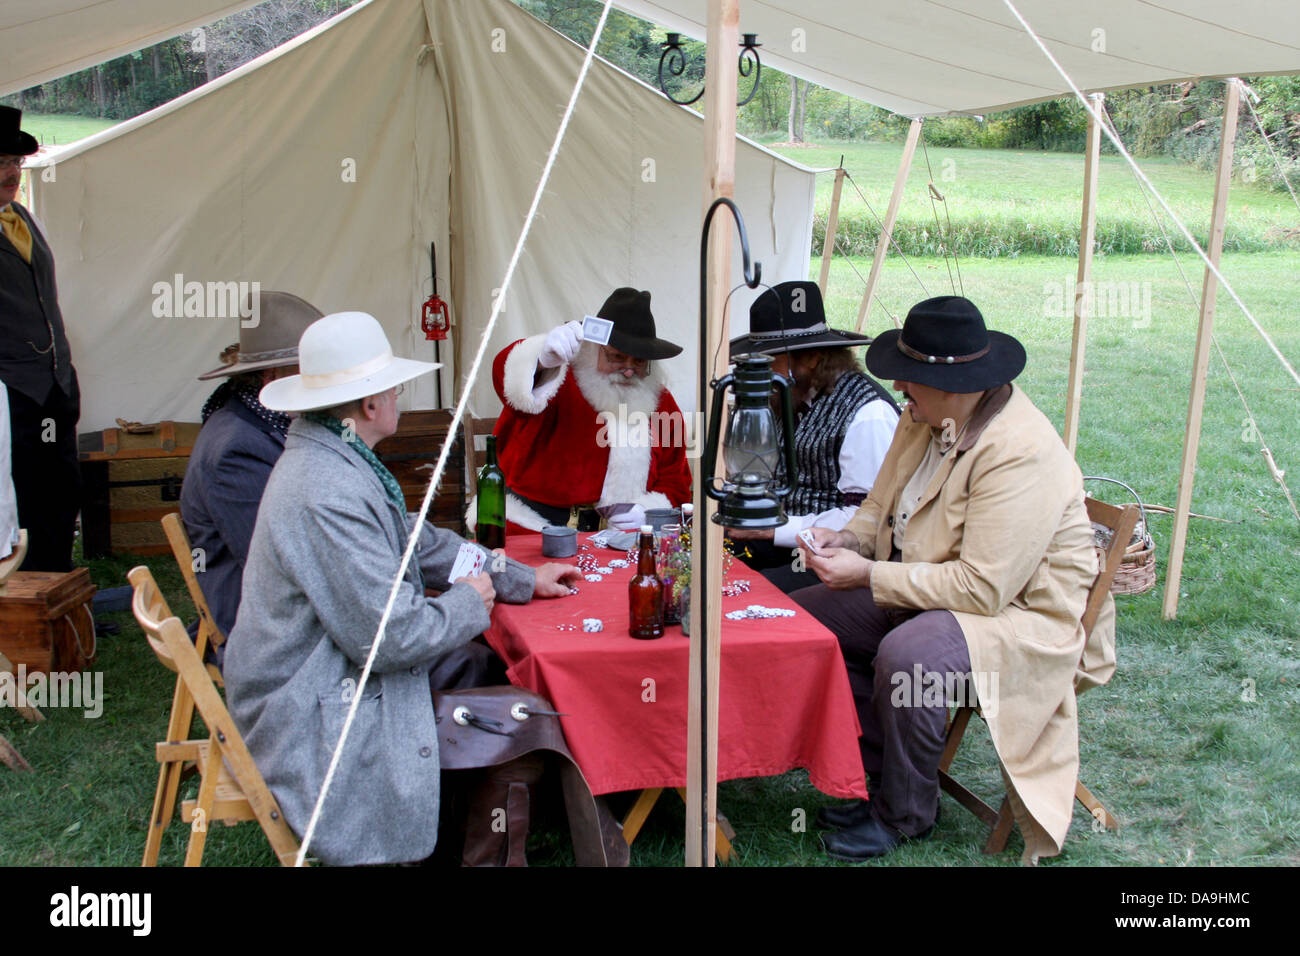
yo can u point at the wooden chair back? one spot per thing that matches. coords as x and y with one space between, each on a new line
1120 521
209 634
475 458
231 788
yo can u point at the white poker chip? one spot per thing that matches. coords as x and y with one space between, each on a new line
592 577
609 570
618 563
592 625
756 612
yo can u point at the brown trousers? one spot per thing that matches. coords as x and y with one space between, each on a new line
885 652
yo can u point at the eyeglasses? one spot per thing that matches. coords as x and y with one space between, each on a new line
399 389
16 162
620 361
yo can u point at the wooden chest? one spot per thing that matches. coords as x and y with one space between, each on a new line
47 621
417 444
130 482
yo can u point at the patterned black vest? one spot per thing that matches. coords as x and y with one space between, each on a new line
819 437
33 348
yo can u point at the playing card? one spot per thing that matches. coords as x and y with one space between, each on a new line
806 536
469 562
596 329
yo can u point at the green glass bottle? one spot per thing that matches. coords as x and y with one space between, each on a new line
490 529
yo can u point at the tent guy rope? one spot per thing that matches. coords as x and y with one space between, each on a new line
436 478
1119 146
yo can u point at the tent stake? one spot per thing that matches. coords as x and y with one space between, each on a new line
887 227
1196 405
1083 280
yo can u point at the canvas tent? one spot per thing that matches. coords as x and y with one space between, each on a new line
327 166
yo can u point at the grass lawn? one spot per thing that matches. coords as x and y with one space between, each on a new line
60 129
1007 203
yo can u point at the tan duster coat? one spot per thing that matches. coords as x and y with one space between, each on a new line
1001 538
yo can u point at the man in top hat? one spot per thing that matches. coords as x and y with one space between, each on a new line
965 572
845 421
589 426
36 365
326 548
238 445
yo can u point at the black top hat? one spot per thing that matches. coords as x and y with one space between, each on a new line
789 317
634 326
13 141
944 344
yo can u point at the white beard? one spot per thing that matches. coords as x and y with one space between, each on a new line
607 392
629 462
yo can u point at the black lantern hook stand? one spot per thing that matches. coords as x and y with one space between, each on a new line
675 57
752 446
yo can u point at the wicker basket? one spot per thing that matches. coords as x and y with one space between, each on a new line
1137 572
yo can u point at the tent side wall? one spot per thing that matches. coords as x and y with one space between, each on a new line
319 169
625 199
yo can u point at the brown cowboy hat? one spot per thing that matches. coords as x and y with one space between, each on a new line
273 341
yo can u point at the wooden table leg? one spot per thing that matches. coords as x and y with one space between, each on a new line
636 817
11 757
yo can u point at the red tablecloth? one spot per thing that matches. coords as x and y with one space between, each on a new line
784 696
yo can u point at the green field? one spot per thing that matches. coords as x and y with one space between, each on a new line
57 129
1003 203
1194 745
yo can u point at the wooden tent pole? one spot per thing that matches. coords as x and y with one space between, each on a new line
1083 279
832 222
720 168
1201 364
887 227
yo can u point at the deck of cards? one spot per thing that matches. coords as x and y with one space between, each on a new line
806 536
470 560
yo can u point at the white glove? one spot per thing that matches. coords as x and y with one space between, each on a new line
626 517
561 346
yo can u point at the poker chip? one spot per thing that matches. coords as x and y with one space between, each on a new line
756 612
592 577
735 589
566 627
573 591
618 563
592 625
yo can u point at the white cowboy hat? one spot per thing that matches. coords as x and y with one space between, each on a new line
342 357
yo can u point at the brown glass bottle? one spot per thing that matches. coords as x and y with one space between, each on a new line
645 592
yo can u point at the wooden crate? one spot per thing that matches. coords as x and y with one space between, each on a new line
418 442
47 620
129 483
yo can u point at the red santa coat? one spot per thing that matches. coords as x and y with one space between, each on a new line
555 447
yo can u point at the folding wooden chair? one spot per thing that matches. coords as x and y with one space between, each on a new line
231 789
209 634
1121 522
475 458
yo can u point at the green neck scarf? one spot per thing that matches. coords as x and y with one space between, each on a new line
385 476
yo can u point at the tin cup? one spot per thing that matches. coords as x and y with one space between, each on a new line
559 541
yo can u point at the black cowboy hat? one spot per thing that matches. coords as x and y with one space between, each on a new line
634 326
789 317
13 141
945 344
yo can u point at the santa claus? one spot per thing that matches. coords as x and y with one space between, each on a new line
589 427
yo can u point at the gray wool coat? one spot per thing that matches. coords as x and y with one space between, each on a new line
324 552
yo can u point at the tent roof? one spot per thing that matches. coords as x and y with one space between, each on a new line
919 58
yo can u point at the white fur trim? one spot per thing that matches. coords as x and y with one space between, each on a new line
653 499
516 511
629 465
524 516
519 373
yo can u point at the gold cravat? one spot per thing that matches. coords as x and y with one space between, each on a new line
16 231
